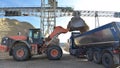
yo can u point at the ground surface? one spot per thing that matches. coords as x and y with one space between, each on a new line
67 61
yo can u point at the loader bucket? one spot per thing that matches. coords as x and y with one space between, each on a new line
77 24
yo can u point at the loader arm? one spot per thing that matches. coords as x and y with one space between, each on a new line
58 30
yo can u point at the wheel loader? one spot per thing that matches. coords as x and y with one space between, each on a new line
24 47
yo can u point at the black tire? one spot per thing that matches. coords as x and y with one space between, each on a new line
24 49
96 57
107 60
57 56
89 55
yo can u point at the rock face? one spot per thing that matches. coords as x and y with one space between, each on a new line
10 27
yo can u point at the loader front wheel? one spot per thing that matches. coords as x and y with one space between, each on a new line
20 53
54 53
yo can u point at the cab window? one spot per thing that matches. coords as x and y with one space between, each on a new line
36 34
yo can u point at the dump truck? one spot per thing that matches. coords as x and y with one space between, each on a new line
100 45
24 47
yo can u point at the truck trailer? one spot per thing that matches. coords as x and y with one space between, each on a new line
101 45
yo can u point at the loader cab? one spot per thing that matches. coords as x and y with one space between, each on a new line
35 36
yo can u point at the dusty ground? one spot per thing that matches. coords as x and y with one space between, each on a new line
67 61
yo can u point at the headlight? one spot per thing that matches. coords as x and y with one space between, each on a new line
4 40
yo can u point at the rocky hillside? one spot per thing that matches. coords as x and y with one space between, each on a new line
10 27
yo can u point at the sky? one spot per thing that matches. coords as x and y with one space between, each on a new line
99 5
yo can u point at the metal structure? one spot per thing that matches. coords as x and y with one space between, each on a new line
48 12
47 15
47 24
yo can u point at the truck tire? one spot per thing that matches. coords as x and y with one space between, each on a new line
54 52
107 60
21 53
89 55
96 57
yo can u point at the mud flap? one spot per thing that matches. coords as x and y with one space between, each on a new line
116 58
73 51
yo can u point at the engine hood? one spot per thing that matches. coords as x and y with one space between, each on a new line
18 37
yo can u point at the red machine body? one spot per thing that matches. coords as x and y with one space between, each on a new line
23 47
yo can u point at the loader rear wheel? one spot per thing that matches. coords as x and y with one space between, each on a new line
54 53
20 53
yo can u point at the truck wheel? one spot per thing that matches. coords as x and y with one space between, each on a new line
107 60
20 53
54 53
89 55
96 57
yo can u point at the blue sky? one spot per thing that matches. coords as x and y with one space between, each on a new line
30 3
19 3
22 3
104 5
35 21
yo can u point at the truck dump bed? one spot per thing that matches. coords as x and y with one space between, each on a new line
106 35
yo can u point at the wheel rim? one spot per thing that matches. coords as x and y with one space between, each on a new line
89 56
107 60
20 53
54 52
95 57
